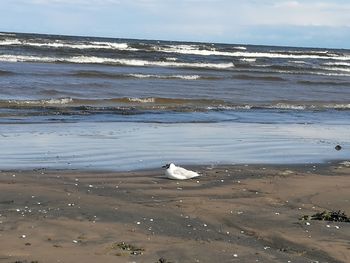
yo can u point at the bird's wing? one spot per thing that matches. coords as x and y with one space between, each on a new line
185 173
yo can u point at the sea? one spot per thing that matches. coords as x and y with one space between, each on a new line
88 103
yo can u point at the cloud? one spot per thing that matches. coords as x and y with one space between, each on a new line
201 20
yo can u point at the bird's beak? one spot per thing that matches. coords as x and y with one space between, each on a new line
164 166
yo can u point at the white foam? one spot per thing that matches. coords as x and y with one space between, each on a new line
125 62
336 69
90 45
192 50
248 59
42 102
298 62
57 101
337 106
21 58
7 34
81 45
285 106
278 55
142 100
195 50
171 59
186 77
9 42
346 64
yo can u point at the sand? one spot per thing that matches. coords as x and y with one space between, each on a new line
230 214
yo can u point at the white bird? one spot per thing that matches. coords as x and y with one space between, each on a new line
178 173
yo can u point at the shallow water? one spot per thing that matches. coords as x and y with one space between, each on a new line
121 104
130 146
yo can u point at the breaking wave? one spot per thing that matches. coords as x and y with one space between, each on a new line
159 103
112 61
64 44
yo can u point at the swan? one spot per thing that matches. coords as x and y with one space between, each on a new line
178 173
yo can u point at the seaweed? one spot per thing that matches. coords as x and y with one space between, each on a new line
335 216
163 260
128 247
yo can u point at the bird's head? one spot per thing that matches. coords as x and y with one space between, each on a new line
167 165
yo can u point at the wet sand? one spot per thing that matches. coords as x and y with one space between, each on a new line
230 214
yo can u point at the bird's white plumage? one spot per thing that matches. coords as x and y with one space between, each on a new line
178 173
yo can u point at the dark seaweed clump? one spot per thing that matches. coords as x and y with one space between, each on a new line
335 216
163 260
133 249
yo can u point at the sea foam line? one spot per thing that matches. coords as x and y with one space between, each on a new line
195 50
185 77
100 60
60 44
60 101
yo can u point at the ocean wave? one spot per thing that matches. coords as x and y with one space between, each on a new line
171 59
345 64
338 106
285 106
287 56
10 42
325 83
64 44
60 101
184 77
191 50
304 52
5 73
101 74
298 62
91 45
240 48
248 59
255 77
212 51
160 104
111 61
339 69
7 34
142 100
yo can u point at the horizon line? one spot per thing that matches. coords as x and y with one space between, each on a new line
168 40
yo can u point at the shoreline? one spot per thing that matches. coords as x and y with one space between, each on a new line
230 214
193 166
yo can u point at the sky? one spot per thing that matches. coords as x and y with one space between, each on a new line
307 23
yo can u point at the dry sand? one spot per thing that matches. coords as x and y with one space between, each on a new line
230 214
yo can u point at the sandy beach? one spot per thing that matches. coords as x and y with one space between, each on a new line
230 214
